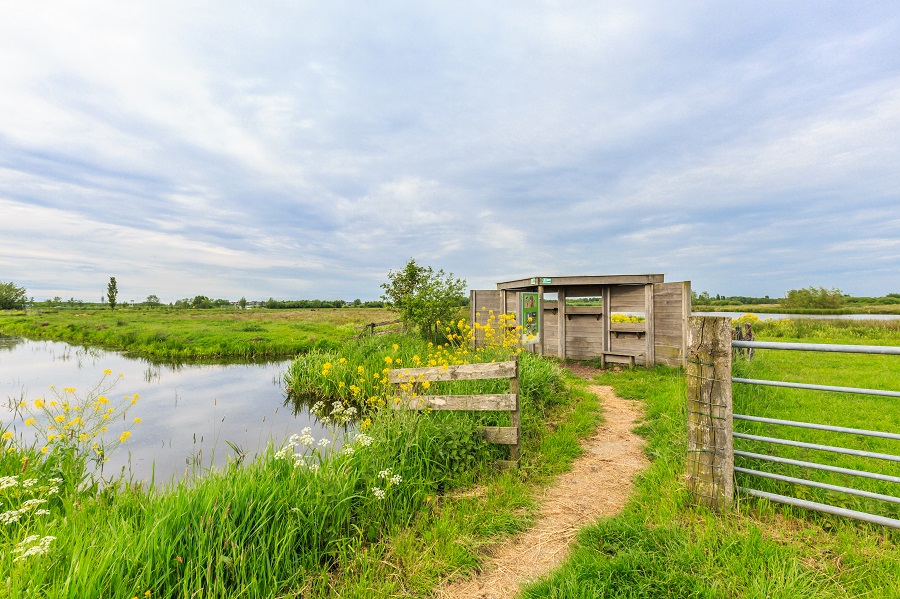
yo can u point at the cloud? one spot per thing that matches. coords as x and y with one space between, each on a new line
303 150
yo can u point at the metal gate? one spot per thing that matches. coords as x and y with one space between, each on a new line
821 507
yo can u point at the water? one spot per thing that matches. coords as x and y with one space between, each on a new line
810 316
187 412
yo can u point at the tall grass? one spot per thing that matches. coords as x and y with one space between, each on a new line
292 520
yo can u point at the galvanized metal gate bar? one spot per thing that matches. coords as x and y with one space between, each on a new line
821 507
818 485
891 350
826 467
813 387
821 427
831 448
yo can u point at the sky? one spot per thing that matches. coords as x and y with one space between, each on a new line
303 149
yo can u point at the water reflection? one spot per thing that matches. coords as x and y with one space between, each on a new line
192 415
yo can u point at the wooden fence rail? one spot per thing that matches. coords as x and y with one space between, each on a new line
499 402
370 328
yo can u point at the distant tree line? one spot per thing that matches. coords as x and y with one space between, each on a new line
816 298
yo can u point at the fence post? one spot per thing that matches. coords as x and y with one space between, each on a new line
710 451
515 417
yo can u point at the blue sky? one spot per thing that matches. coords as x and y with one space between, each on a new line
303 149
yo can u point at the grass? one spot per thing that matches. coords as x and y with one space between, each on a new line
664 546
171 334
272 529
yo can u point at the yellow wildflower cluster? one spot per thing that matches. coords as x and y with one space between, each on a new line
497 333
626 318
77 424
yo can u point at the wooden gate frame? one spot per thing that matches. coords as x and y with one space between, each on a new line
493 402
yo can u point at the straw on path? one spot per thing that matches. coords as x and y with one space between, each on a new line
597 486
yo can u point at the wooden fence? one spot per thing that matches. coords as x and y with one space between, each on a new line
372 328
498 402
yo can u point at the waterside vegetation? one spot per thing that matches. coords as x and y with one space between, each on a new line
171 334
334 516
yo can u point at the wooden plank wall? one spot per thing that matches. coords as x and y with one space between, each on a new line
584 332
551 329
481 302
628 298
672 308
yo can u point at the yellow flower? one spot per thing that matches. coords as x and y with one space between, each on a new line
7 435
45 449
30 422
107 372
388 360
39 403
343 360
396 347
124 436
60 418
137 420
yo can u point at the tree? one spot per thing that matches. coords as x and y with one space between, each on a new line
424 298
813 297
111 292
153 299
242 302
11 296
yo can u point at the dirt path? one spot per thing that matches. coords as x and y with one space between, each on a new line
598 485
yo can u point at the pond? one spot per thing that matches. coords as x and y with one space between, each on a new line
189 413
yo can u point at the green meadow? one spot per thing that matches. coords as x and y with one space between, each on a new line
396 503
175 334
664 546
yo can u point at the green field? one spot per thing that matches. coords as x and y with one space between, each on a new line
173 334
247 531
663 546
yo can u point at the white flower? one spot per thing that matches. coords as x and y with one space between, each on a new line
30 482
379 493
41 548
396 479
364 440
323 442
8 481
314 467
347 450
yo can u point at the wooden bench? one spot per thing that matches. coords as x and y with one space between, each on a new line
500 435
620 354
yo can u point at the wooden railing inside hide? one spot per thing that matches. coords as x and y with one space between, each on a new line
499 402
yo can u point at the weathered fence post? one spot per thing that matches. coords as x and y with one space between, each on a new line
710 457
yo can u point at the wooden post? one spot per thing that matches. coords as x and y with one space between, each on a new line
649 323
540 315
515 416
710 457
561 323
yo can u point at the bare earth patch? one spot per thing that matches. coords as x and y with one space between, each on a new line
597 486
